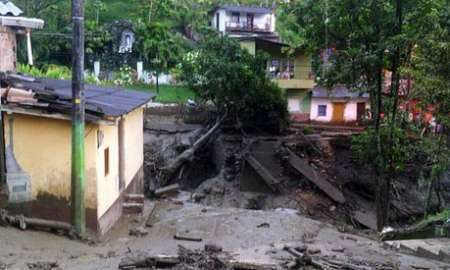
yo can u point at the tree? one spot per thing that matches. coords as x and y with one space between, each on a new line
220 71
367 38
431 70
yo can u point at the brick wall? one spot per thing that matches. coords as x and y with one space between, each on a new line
8 56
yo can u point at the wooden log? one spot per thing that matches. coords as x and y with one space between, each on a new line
187 156
187 238
168 189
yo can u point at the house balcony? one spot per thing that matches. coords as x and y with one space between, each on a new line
247 27
295 83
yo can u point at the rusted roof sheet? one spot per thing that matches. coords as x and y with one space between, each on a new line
56 96
7 8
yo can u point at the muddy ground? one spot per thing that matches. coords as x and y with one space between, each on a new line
253 237
251 227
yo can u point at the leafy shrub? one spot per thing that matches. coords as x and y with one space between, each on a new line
364 148
124 76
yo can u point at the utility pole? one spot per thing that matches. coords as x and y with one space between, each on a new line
78 115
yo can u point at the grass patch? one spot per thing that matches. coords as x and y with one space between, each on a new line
167 93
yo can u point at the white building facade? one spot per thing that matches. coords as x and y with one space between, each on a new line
243 20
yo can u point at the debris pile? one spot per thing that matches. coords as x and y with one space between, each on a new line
304 257
207 259
43 266
315 174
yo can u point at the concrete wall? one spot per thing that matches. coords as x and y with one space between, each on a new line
42 149
350 111
108 184
299 100
134 144
222 21
8 47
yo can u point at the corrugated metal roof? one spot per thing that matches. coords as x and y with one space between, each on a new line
245 9
100 101
7 8
339 91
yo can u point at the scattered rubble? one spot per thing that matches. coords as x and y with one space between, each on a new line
138 232
43 266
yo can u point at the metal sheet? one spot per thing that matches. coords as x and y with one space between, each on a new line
7 8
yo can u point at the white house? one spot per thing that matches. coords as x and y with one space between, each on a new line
239 21
338 105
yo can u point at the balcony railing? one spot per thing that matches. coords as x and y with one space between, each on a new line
247 27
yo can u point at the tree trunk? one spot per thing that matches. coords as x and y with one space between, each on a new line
170 170
384 180
157 82
379 167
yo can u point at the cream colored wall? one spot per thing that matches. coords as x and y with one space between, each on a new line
315 111
350 110
42 147
134 158
108 185
302 66
134 143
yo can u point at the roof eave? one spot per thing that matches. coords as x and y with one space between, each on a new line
21 22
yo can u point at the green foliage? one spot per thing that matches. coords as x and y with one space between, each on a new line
167 93
125 76
442 216
51 72
364 149
235 81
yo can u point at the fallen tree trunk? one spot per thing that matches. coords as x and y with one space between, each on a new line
188 155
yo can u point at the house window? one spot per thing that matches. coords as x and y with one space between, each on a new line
106 156
322 110
235 17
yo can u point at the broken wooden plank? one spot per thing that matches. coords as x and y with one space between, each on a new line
270 180
168 189
149 222
179 236
160 261
316 178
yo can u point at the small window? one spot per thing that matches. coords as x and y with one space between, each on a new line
322 110
106 161
235 17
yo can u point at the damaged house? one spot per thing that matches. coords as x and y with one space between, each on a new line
36 127
37 133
